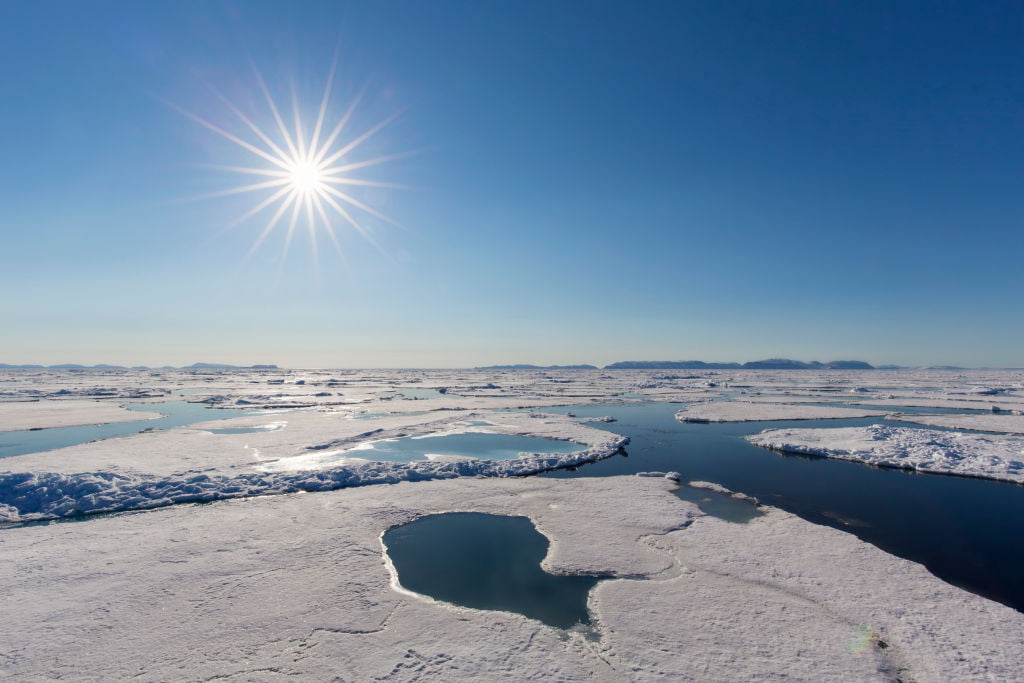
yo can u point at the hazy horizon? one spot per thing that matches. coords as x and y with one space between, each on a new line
598 365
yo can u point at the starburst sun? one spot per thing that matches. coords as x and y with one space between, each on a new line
307 176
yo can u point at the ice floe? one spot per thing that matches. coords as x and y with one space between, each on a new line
299 586
742 411
988 456
146 471
1009 424
46 414
257 586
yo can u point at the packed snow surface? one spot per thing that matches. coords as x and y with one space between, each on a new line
300 586
45 414
138 472
1009 424
988 456
743 411
257 587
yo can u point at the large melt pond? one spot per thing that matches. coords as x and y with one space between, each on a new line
486 562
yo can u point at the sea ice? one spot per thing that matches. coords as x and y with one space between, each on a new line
255 586
45 414
299 585
150 470
1009 424
988 456
742 411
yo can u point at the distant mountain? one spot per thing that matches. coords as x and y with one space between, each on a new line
782 364
64 366
670 365
849 365
789 364
524 366
225 366
942 367
769 364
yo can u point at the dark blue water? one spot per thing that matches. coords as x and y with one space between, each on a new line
178 413
471 445
486 562
966 531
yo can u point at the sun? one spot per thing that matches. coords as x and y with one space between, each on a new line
307 176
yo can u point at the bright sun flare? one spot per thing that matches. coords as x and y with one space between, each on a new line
307 175
305 178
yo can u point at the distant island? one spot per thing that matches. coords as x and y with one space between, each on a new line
523 366
225 366
101 366
671 365
769 364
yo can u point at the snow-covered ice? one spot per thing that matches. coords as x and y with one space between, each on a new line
1009 424
743 411
46 414
147 470
298 585
989 456
256 586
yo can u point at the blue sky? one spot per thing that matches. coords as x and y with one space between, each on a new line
591 182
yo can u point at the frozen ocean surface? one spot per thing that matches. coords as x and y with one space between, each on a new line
703 583
966 531
175 414
467 445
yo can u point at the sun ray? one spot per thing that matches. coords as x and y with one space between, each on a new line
352 221
359 140
245 188
297 117
259 207
342 180
358 204
301 182
296 208
229 136
323 109
338 128
369 162
271 224
330 230
312 233
252 126
248 170
277 114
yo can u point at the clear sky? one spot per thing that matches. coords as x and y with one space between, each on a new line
591 182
